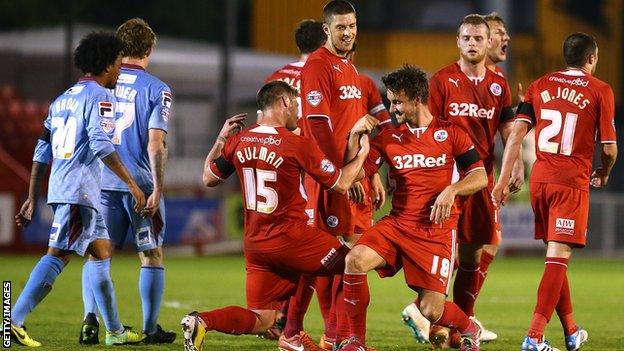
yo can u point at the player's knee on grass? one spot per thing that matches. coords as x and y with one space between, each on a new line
431 304
264 320
101 249
152 257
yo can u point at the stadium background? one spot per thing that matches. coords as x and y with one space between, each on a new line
215 55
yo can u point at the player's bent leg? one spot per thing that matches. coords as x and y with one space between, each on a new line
37 287
151 288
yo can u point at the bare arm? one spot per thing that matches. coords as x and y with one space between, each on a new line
37 175
231 126
608 155
517 172
157 152
512 150
471 183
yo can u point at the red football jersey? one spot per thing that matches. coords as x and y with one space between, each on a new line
478 106
421 162
372 101
568 110
330 88
291 74
269 162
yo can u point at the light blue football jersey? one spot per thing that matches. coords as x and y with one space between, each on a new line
143 102
75 123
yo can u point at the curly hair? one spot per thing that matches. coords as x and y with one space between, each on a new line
137 36
409 79
96 52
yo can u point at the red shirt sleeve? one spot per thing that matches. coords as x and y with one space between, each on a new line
436 97
316 80
319 167
606 119
464 152
374 160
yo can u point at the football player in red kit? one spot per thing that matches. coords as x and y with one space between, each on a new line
420 232
269 160
570 111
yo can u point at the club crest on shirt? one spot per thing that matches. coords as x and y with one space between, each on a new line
332 221
327 166
314 97
107 124
496 89
440 135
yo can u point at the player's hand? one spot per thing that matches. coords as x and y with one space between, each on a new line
441 209
520 93
364 125
26 213
517 177
138 196
151 205
500 194
378 192
599 178
233 125
356 193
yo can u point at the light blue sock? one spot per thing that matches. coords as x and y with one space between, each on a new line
104 292
151 287
88 299
38 286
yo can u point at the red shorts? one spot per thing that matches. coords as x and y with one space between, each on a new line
272 276
479 221
426 254
335 213
560 213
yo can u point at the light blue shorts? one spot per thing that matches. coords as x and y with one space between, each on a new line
118 212
74 227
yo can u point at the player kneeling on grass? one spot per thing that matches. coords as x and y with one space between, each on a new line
73 139
419 234
279 245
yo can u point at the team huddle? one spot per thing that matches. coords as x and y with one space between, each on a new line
308 171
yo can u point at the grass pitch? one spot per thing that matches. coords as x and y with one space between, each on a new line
505 305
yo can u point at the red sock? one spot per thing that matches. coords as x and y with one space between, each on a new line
298 305
465 287
564 309
230 320
484 265
548 295
454 318
323 289
356 298
343 329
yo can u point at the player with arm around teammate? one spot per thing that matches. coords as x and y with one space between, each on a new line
420 232
279 246
74 141
570 110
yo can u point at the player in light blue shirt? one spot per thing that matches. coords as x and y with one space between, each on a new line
143 106
75 142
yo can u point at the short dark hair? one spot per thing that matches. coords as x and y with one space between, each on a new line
96 52
337 7
474 20
493 17
271 92
577 48
137 36
409 79
309 36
